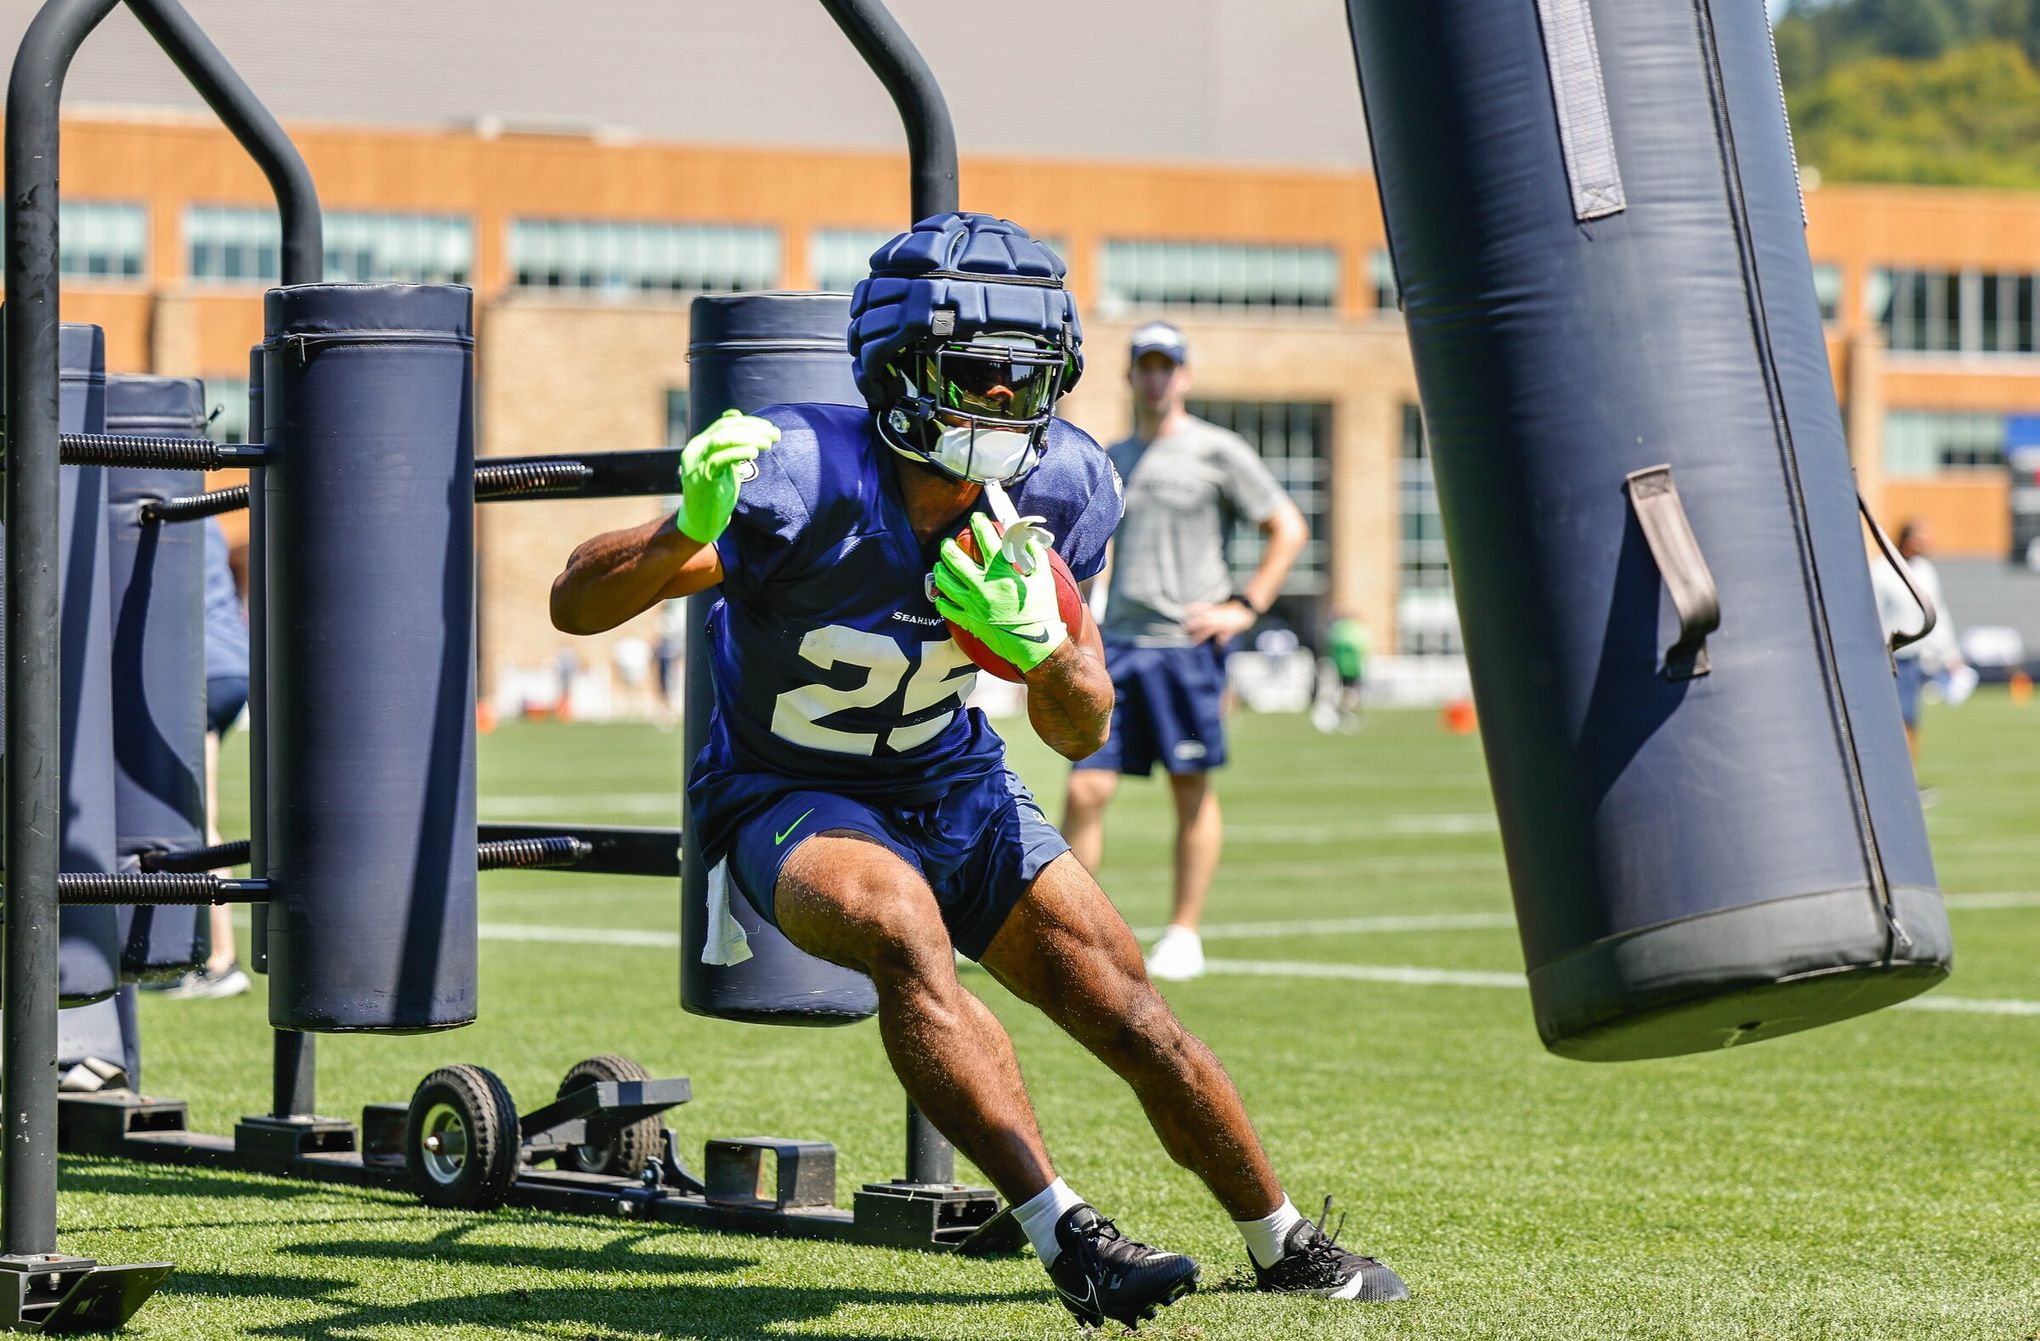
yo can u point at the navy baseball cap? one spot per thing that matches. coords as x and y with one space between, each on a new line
1159 337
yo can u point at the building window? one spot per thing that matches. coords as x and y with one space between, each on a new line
839 257
1294 440
1926 442
1218 274
399 248
1381 274
224 242
100 239
226 401
1426 619
1952 312
1827 289
619 258
235 244
676 416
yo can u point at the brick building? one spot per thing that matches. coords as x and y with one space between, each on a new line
584 244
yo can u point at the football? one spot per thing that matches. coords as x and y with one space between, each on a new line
1068 600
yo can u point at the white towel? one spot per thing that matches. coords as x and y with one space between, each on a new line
726 942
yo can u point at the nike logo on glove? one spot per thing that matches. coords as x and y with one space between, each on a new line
1040 637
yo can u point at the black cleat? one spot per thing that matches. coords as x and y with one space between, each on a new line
1312 1262
1101 1274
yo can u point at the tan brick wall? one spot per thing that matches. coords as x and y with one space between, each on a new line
554 377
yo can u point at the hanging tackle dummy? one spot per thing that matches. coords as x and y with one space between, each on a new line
1712 829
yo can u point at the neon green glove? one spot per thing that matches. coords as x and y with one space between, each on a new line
708 472
1014 615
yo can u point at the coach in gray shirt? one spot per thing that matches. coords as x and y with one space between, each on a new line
1170 608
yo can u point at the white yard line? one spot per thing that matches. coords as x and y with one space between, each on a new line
521 808
1995 899
1969 1005
518 931
1408 975
1402 975
1346 926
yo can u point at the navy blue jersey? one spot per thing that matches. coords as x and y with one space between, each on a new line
831 664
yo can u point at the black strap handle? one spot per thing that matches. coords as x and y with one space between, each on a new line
1684 568
1929 616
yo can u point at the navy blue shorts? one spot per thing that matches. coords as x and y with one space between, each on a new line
225 696
1166 709
979 847
1912 677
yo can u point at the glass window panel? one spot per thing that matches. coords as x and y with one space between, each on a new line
1427 623
236 243
676 416
1292 439
627 256
1232 278
1827 290
1260 267
1150 272
1926 442
1877 291
1322 277
1218 274
100 238
226 401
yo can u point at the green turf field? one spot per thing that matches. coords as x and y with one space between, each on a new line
1879 1178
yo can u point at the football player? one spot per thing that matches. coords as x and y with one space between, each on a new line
849 795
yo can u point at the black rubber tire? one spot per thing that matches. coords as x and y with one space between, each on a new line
471 1102
625 1154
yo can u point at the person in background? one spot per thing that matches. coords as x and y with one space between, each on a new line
226 694
671 659
630 660
1936 655
1170 609
1346 645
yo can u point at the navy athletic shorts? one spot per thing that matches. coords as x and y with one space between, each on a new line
1912 677
979 847
1166 709
225 696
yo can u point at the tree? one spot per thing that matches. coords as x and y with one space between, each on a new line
1969 117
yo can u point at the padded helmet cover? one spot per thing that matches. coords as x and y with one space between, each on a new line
988 272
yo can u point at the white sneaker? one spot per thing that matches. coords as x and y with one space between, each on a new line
203 984
1177 957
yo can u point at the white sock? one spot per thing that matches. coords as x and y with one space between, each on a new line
1268 1236
1038 1216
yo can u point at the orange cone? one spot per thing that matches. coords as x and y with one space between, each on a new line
2022 688
1458 717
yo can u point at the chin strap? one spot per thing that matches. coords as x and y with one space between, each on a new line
1016 530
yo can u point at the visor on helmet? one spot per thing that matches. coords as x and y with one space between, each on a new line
1007 379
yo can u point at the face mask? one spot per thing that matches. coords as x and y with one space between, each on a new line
983 454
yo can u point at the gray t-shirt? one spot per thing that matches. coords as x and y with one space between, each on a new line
1183 492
